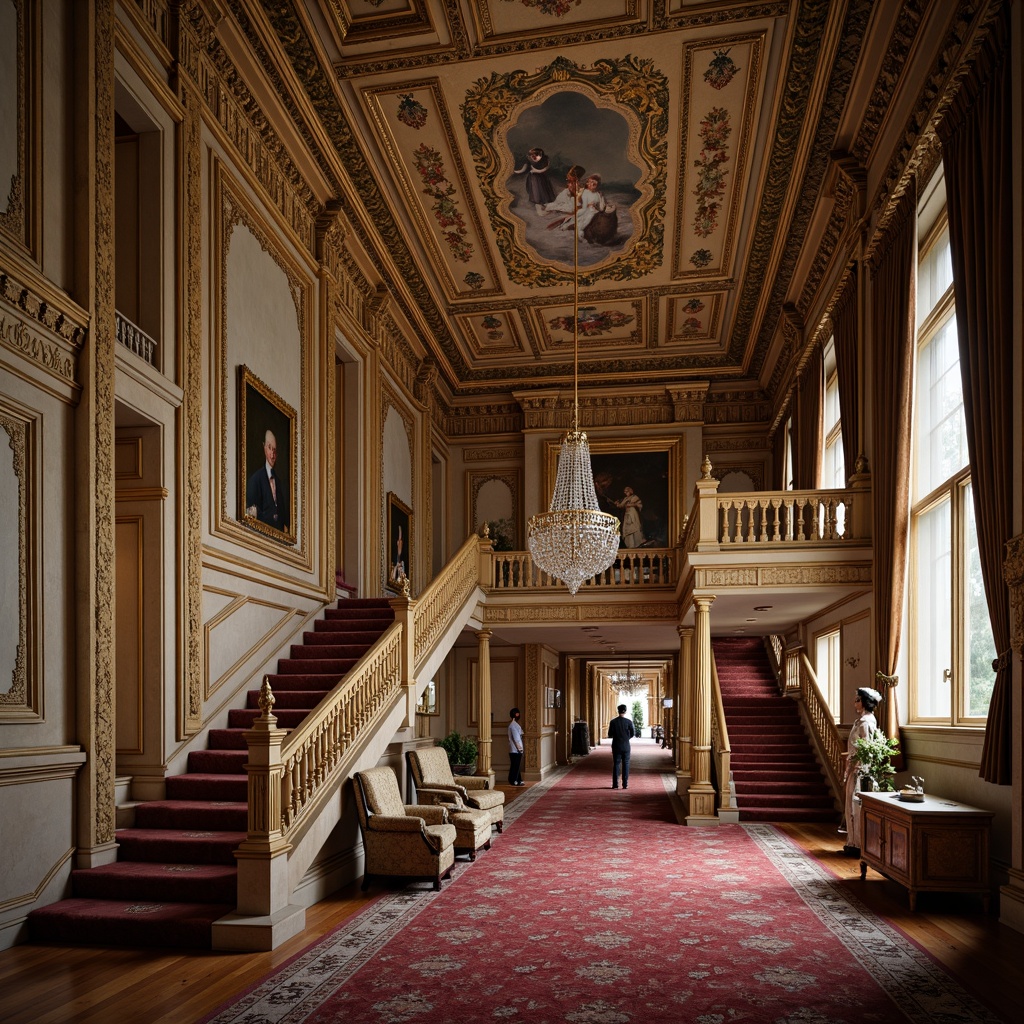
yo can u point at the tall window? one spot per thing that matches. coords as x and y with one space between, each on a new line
952 648
829 670
833 464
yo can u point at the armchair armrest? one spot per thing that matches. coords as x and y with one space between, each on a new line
475 782
441 795
432 814
395 823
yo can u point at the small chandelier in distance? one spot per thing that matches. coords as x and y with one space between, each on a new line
627 682
574 540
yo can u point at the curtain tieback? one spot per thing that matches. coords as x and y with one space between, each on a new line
1003 661
886 682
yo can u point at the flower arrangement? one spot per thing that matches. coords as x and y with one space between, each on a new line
873 759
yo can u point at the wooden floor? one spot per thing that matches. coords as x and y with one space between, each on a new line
58 985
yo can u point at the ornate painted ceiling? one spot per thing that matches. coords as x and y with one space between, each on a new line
710 126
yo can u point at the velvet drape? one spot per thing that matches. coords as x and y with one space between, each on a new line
807 424
976 139
893 301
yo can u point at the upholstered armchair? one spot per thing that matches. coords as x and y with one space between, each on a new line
432 776
408 841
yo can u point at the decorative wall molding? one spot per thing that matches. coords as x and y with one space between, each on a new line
1013 573
233 107
23 699
783 576
12 211
486 418
551 611
190 429
493 454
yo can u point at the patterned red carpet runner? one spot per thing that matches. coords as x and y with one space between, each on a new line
596 907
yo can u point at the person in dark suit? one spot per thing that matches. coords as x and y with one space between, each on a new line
621 732
266 494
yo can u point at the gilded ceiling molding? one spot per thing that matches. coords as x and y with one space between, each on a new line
745 407
638 91
488 418
968 30
153 16
802 59
21 700
253 138
688 401
190 698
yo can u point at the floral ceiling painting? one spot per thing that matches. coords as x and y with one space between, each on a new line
472 160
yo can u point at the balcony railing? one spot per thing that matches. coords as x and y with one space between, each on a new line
135 339
633 568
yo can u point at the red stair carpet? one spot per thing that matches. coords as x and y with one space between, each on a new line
175 873
776 774
601 909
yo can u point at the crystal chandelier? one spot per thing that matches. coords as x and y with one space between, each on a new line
574 540
627 682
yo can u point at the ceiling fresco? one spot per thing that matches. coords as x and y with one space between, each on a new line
708 127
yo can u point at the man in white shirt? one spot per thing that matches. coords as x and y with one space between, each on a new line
515 749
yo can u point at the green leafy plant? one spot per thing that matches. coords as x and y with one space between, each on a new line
638 716
460 749
873 759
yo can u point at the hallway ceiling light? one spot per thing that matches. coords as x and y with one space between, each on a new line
574 540
628 682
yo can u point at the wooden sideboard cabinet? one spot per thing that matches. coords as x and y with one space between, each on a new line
934 846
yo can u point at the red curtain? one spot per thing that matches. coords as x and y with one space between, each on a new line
977 158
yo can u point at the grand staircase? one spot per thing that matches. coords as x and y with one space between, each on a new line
175 873
774 769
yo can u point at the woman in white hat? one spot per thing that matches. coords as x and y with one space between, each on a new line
864 727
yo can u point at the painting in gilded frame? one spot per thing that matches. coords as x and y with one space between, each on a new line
399 560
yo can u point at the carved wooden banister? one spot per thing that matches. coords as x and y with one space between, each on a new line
720 748
439 604
821 721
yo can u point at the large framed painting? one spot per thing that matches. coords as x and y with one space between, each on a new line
266 459
637 481
399 560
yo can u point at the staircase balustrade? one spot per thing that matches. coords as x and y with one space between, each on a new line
784 517
822 724
633 568
134 339
313 754
722 752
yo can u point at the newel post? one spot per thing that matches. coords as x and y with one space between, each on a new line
405 614
262 864
486 569
860 523
706 490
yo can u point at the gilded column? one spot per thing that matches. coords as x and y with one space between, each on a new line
483 764
683 732
701 794
93 285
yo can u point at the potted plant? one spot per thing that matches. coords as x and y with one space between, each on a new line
638 717
873 761
461 751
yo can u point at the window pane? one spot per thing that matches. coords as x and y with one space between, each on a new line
941 430
981 647
932 614
934 276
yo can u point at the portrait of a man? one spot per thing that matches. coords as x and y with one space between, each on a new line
267 459
266 494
